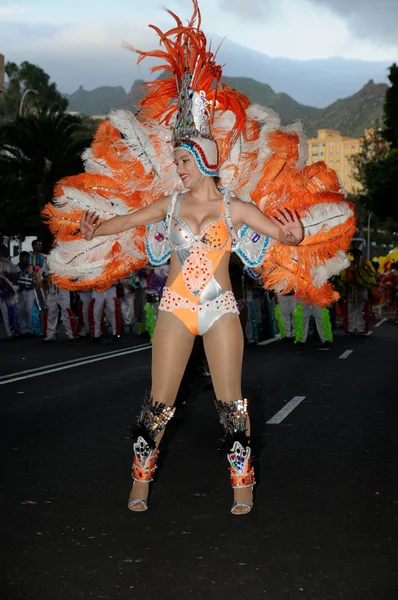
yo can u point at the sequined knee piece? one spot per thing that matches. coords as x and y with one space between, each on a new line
144 462
233 416
241 469
153 417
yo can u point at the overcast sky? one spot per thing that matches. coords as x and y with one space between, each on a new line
79 41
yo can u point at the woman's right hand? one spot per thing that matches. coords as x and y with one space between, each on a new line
89 223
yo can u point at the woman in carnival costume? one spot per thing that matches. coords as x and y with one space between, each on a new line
289 221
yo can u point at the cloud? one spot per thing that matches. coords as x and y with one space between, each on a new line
249 10
348 28
377 21
90 53
12 9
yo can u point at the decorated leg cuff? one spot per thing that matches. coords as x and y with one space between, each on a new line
144 462
233 418
241 470
152 419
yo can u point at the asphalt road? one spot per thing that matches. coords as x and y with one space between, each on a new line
324 524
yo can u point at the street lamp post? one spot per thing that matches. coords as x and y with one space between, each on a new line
26 92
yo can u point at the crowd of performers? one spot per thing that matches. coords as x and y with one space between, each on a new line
33 306
368 289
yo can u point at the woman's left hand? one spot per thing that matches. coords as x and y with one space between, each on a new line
290 225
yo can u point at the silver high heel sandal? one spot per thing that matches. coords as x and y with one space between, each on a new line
144 465
242 475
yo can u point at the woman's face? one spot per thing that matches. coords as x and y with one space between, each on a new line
187 169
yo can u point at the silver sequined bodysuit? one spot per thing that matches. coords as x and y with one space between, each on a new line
195 296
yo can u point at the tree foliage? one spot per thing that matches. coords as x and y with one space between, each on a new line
35 152
376 166
390 132
28 76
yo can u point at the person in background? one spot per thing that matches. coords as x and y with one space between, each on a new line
85 297
107 300
393 276
302 314
140 284
37 261
36 258
126 295
58 298
9 275
284 312
356 282
26 294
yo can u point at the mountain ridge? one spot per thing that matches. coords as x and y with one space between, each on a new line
351 115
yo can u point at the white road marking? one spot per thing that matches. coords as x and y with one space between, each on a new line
73 360
286 410
70 364
266 342
381 322
346 354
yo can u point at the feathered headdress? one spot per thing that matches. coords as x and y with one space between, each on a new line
186 100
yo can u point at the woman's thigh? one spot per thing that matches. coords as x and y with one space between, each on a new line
171 347
224 352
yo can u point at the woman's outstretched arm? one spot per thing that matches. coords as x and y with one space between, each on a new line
285 228
91 226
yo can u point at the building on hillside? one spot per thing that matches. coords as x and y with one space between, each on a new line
336 151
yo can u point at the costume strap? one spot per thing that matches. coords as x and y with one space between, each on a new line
227 199
171 211
178 205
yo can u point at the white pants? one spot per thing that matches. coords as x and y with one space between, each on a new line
4 312
127 308
26 300
60 299
85 299
106 299
316 311
287 305
356 320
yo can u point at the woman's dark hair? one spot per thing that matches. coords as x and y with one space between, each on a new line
217 180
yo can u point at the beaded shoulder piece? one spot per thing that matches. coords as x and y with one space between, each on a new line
157 240
249 245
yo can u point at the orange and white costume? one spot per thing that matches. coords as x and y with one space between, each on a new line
195 296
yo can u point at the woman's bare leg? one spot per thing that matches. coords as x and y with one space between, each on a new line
171 347
224 351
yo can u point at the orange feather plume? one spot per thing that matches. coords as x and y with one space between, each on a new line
185 48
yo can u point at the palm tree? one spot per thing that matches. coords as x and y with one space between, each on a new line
35 152
28 76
